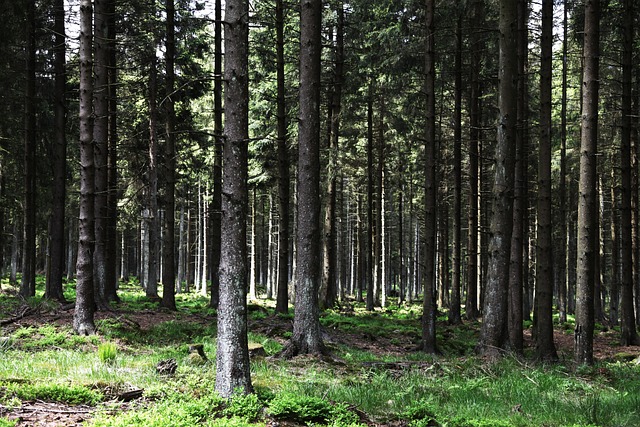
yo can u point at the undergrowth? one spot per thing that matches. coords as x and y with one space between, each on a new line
355 387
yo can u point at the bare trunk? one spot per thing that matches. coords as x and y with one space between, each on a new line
455 316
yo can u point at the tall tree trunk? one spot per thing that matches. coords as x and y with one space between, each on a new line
216 203
83 322
369 278
428 342
111 284
587 210
519 234
282 299
151 209
494 325
629 333
306 325
379 234
100 138
169 262
471 303
329 276
454 308
28 286
614 296
232 358
561 258
54 288
544 254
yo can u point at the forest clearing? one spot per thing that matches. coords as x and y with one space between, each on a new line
373 376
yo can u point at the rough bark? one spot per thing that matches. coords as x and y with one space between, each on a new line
629 333
83 322
545 346
587 210
306 325
232 358
454 307
150 215
100 146
28 285
428 342
282 298
169 261
216 203
369 276
54 289
471 302
494 325
561 259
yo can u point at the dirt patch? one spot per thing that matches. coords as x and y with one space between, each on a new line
45 414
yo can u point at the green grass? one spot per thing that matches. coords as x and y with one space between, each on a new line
457 389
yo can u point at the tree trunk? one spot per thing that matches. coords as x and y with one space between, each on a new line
216 203
561 258
306 325
587 211
169 262
111 262
282 299
28 286
629 333
544 253
428 342
494 325
83 322
369 278
151 210
614 297
100 137
232 358
454 308
471 303
54 289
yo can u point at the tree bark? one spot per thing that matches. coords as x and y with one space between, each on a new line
428 343
587 209
561 259
232 358
544 254
494 325
100 138
629 333
83 322
28 285
169 261
306 325
216 203
282 298
454 307
54 289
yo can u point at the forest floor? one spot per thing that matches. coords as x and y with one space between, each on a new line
388 350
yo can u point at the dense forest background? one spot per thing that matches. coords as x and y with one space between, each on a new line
426 165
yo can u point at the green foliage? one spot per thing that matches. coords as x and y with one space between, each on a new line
107 352
7 423
310 409
245 406
46 336
63 393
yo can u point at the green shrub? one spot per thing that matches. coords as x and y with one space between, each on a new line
70 394
309 409
245 406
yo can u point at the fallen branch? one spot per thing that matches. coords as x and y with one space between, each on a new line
26 311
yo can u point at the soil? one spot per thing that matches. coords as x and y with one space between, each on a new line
46 414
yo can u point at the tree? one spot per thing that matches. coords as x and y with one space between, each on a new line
100 148
494 326
544 254
629 334
428 343
587 212
282 299
28 286
306 336
83 322
232 357
54 288
169 264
